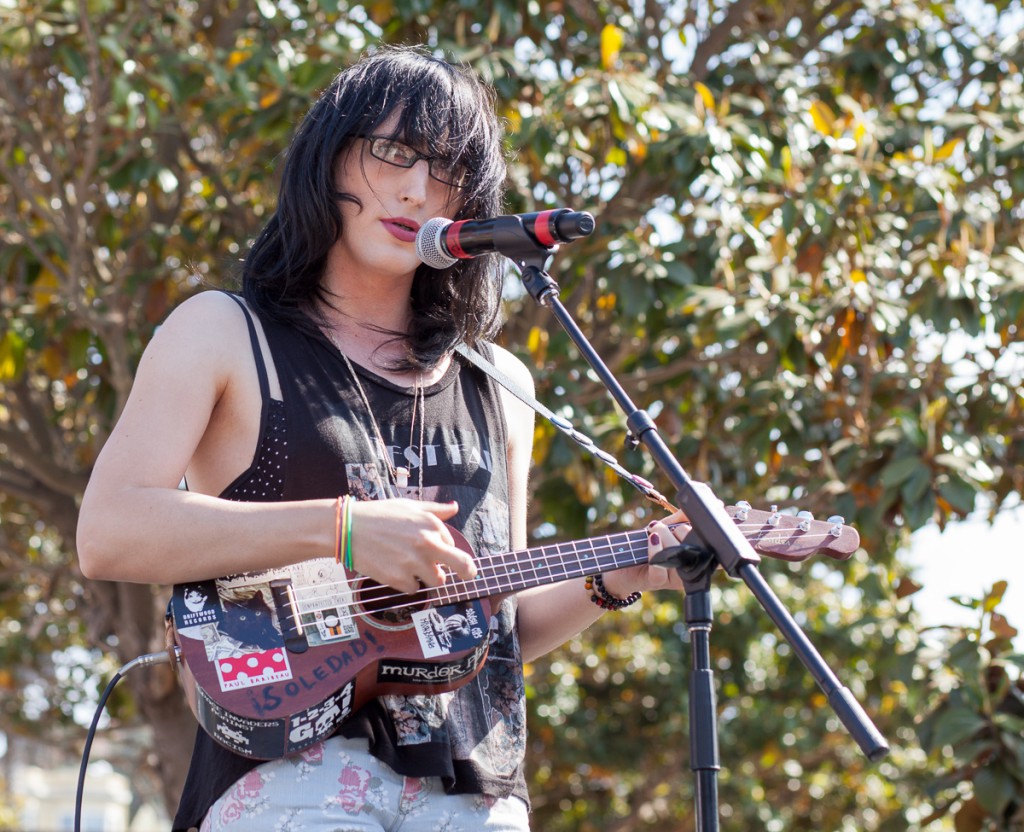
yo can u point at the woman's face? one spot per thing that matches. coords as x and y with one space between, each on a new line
379 234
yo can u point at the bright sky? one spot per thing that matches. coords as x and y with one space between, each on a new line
966 560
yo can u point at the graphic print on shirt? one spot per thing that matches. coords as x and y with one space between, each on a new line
492 739
451 457
312 433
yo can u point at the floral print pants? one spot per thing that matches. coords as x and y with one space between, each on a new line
337 786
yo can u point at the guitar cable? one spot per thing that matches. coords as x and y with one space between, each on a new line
146 660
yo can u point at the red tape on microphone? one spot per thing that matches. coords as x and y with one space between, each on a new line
451 240
542 229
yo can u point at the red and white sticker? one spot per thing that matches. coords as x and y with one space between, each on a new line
251 669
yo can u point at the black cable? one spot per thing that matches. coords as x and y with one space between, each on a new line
142 661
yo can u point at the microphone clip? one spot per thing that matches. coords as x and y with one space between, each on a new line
513 239
541 285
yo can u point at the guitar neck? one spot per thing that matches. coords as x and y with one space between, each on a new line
788 537
541 565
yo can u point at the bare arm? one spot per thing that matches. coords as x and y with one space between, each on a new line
551 615
136 525
519 422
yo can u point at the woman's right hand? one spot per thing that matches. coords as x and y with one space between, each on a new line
406 544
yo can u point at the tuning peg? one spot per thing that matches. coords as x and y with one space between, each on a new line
837 525
774 518
805 520
743 509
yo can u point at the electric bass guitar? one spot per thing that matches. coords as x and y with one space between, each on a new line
275 661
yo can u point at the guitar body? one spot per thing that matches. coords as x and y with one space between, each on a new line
273 662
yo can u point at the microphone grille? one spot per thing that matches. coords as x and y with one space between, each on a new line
428 244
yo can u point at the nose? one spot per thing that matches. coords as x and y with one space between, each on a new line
415 182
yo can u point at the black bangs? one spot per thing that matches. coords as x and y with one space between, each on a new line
442 111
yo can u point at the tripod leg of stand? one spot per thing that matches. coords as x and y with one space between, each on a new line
704 759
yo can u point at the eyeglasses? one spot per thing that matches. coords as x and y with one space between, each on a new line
402 156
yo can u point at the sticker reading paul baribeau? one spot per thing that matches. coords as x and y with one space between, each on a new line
275 661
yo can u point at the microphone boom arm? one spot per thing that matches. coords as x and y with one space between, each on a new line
724 545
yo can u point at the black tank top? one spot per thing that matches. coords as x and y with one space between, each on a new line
316 442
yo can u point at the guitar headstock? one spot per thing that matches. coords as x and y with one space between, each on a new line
794 537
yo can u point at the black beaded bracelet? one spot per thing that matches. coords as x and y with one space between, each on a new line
603 598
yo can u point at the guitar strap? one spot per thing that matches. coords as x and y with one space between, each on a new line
563 425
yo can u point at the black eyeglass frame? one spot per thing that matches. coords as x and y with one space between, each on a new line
415 156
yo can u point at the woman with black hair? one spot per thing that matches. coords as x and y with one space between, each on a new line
325 414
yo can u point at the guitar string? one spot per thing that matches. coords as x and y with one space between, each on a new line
359 609
429 595
522 577
537 564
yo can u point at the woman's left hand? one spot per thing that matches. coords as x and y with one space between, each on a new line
660 535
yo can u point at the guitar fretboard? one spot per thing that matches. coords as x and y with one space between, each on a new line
539 565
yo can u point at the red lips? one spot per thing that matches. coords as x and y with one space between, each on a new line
402 228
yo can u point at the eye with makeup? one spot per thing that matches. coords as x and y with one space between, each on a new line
399 154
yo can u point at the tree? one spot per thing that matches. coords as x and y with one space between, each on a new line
803 211
135 141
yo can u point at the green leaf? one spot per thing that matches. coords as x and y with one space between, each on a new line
900 470
955 725
917 484
968 656
12 356
919 513
994 788
958 493
680 273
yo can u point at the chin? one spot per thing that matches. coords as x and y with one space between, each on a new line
395 268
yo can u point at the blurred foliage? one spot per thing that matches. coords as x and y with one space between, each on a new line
809 267
975 726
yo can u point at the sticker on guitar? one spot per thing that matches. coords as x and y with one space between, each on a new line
273 661
260 667
446 630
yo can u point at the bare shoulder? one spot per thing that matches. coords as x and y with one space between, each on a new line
513 367
193 358
207 330
195 354
206 315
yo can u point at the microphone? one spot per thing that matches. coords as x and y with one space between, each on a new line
441 243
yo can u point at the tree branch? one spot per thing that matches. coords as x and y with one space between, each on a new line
32 414
224 28
50 477
91 120
20 486
31 203
714 43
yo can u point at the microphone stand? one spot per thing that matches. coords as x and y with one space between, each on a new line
724 545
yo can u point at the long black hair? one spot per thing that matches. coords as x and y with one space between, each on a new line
441 107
